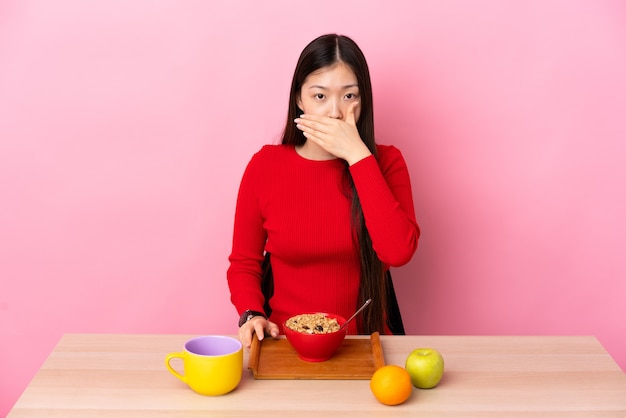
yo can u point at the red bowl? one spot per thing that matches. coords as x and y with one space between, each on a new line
316 347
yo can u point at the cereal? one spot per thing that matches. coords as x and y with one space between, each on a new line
313 324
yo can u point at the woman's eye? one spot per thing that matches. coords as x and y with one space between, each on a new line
351 96
319 96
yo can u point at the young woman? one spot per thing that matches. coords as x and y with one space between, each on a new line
333 208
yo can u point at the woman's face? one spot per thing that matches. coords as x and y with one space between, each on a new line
329 91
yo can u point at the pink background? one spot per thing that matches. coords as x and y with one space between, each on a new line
125 128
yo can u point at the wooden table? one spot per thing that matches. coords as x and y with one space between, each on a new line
124 376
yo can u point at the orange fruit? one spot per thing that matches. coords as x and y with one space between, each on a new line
391 385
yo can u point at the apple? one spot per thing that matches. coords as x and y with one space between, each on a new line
425 365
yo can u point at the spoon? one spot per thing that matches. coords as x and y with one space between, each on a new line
367 302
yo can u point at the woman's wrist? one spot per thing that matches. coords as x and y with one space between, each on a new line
248 315
358 156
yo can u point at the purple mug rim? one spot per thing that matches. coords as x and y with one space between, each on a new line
236 345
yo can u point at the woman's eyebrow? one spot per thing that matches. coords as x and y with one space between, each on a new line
348 86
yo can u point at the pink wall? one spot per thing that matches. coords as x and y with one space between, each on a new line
125 128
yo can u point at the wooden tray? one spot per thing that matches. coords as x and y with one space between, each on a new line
356 359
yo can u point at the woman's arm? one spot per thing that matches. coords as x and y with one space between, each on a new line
384 190
244 273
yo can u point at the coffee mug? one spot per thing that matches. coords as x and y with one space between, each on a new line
212 364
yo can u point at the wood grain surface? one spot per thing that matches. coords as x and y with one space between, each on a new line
105 376
355 359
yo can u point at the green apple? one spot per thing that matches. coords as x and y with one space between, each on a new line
425 365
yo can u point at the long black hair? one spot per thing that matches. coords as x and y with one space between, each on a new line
325 51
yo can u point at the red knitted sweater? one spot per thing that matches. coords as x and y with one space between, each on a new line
298 210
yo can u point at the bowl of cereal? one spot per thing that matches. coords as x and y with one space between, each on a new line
315 336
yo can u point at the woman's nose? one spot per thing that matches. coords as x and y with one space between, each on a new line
335 111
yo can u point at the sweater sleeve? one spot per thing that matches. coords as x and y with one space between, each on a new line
384 190
244 273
